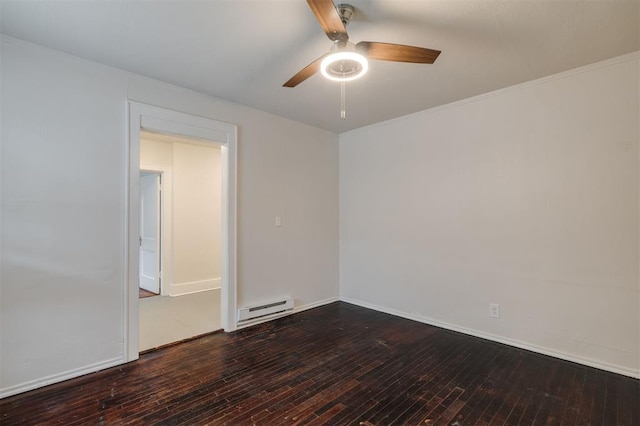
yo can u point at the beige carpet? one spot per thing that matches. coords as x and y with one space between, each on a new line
166 319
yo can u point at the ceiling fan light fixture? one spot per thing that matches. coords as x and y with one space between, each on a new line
344 66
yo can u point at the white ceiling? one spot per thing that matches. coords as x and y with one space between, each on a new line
244 50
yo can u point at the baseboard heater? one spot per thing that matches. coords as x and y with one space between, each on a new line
257 311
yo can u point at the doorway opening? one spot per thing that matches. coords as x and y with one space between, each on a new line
194 132
180 258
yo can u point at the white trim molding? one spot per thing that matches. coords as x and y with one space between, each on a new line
180 289
55 378
225 135
487 336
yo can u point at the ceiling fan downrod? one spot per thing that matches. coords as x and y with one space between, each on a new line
343 108
346 13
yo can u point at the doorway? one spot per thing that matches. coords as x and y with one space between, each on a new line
189 297
166 122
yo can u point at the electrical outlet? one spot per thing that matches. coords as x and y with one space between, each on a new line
494 310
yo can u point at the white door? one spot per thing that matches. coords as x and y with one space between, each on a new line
150 231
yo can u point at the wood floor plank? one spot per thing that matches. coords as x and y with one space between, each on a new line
596 416
539 400
337 364
380 386
505 405
498 390
436 385
481 394
573 394
628 408
555 400
611 402
326 417
587 397
397 392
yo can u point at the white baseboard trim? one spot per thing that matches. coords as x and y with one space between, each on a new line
295 310
55 378
487 336
180 289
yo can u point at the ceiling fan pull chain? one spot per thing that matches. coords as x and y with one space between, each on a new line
343 112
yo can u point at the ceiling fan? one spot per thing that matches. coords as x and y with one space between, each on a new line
347 61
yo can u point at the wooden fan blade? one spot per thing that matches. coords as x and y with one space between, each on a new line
305 73
397 52
329 19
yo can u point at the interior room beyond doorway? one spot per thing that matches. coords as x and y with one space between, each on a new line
189 223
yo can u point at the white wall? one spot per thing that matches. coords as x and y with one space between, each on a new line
63 191
527 197
197 225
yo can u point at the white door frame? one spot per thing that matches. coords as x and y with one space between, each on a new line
142 116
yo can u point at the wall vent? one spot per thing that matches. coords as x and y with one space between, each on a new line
251 312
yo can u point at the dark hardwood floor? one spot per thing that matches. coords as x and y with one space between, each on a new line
337 364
